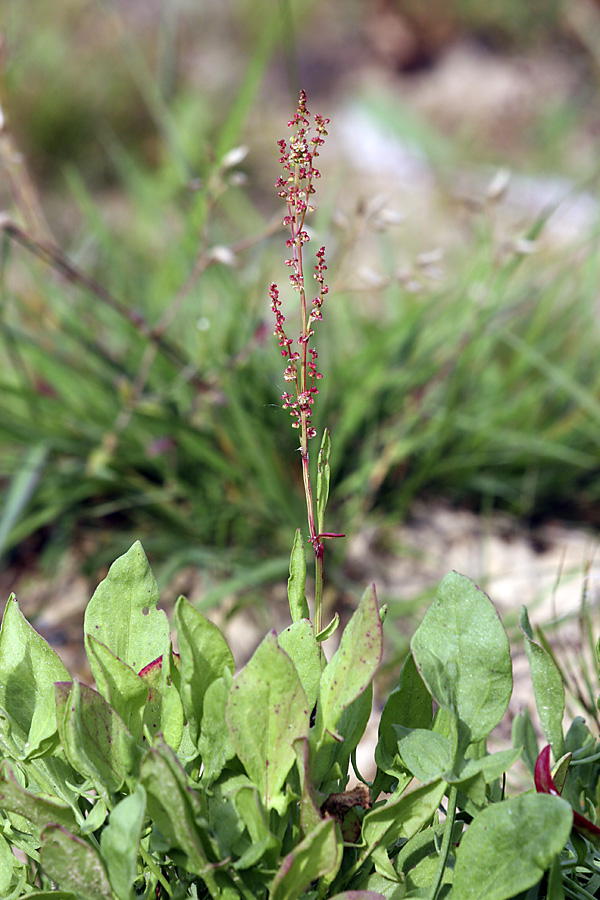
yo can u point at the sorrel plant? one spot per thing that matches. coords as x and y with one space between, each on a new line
296 188
175 778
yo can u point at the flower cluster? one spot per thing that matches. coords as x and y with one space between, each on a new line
296 187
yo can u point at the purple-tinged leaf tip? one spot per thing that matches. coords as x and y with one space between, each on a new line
545 784
155 665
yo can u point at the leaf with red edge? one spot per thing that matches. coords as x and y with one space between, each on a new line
163 712
545 784
123 613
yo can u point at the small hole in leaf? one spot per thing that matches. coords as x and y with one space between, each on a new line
145 611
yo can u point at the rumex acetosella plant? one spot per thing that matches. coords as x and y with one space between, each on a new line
174 777
296 188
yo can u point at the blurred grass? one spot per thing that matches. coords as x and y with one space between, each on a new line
145 402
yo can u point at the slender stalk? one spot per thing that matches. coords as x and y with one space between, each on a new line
296 188
319 553
445 848
155 870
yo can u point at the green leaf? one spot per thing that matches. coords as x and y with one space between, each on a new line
264 847
73 864
475 793
118 684
334 757
214 743
8 862
175 810
351 668
251 812
383 864
548 688
490 767
266 712
379 886
163 712
52 895
317 855
420 878
226 823
297 580
310 814
300 644
462 653
323 475
95 818
94 738
523 735
425 843
555 882
425 753
330 629
358 895
205 656
120 842
400 817
123 612
38 810
53 772
28 669
408 705
508 847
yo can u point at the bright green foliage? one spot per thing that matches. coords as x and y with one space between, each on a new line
351 669
323 478
461 651
547 687
122 614
118 683
520 838
38 810
267 711
205 656
28 670
94 738
318 854
74 864
214 744
175 810
120 842
182 780
300 644
297 580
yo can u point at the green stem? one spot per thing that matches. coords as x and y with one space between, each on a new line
319 548
452 794
155 870
577 893
317 545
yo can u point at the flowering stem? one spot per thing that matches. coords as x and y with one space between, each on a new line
296 188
